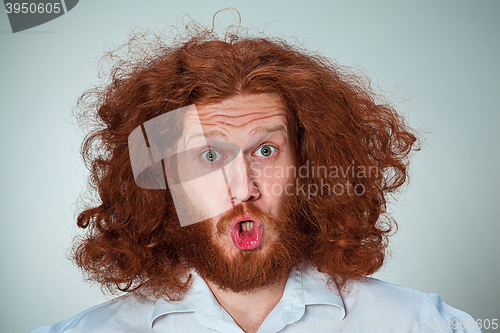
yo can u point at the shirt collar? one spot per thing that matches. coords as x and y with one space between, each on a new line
317 291
199 299
305 286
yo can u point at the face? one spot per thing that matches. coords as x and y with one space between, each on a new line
255 239
246 138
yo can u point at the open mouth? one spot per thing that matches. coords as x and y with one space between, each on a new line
246 233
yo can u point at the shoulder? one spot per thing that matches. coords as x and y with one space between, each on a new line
112 316
385 292
404 307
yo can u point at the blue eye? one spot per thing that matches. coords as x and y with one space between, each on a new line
211 155
265 151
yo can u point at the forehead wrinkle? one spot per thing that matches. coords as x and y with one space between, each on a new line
230 105
216 121
242 109
230 111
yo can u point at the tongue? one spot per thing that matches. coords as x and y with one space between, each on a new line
246 240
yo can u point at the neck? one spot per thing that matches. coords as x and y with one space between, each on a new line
249 309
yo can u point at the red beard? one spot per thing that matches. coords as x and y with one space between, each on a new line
250 269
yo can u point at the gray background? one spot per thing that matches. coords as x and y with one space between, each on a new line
438 61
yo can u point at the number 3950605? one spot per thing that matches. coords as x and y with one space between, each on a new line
32 8
478 323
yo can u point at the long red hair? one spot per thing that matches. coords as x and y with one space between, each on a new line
338 121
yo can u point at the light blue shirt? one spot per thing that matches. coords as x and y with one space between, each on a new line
307 305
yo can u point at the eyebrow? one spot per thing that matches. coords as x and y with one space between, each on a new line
210 134
271 129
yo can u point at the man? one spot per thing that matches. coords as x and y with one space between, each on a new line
242 188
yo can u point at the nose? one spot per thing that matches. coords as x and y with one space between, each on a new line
241 181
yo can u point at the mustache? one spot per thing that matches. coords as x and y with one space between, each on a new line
242 209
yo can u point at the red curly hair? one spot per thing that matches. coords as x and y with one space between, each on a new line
338 121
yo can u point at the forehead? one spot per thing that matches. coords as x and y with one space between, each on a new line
243 113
